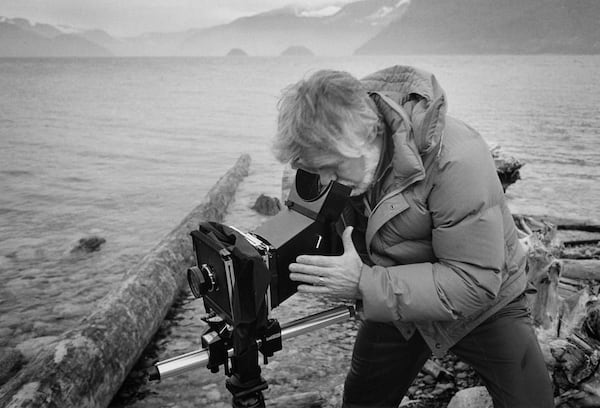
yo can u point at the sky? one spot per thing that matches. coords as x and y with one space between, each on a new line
133 17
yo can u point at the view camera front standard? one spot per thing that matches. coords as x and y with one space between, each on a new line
242 276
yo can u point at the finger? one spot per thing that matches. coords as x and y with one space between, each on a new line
312 279
309 269
317 260
314 289
347 240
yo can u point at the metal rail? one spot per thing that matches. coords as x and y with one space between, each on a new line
199 358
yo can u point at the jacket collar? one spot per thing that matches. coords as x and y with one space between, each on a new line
413 106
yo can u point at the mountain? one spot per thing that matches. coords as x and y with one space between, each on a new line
364 27
297 51
491 27
20 38
154 44
331 31
237 52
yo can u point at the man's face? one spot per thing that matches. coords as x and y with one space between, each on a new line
355 172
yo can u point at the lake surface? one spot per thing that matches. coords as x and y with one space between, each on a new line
125 148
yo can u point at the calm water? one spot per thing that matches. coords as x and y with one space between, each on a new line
124 148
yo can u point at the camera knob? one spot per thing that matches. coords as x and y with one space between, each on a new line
201 280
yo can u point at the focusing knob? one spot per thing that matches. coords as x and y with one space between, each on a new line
201 280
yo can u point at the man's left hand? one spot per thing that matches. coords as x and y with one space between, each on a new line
335 276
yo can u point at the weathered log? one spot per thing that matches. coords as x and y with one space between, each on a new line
570 339
588 269
568 287
565 309
88 364
546 304
578 226
571 351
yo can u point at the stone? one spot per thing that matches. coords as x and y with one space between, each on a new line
408 403
461 366
442 387
266 205
213 395
88 244
475 397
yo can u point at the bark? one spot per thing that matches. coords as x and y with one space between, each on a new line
86 367
566 311
585 269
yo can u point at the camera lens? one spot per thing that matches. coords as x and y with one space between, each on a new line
201 280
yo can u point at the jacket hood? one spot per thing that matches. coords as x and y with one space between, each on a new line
413 105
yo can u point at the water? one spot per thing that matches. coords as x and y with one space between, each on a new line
125 148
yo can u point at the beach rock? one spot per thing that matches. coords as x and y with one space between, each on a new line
10 361
213 395
266 205
88 244
475 397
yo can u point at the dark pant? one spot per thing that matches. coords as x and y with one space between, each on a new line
503 350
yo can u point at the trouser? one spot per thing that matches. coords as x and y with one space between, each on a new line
503 350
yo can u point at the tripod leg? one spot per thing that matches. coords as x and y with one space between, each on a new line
246 384
248 394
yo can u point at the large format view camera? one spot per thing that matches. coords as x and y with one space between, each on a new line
242 276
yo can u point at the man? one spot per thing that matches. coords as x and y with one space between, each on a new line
430 247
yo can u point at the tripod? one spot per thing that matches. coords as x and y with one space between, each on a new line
219 349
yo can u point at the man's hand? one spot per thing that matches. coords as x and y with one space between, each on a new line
335 276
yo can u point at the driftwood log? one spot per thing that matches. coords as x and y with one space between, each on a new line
87 365
566 310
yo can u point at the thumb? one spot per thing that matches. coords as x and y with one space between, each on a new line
347 240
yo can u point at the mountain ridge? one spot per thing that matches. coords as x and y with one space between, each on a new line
491 26
363 27
271 32
20 38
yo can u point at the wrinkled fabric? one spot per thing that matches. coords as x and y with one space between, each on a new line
384 364
439 234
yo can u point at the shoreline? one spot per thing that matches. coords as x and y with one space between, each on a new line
307 364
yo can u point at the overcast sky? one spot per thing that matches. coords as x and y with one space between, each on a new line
132 17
